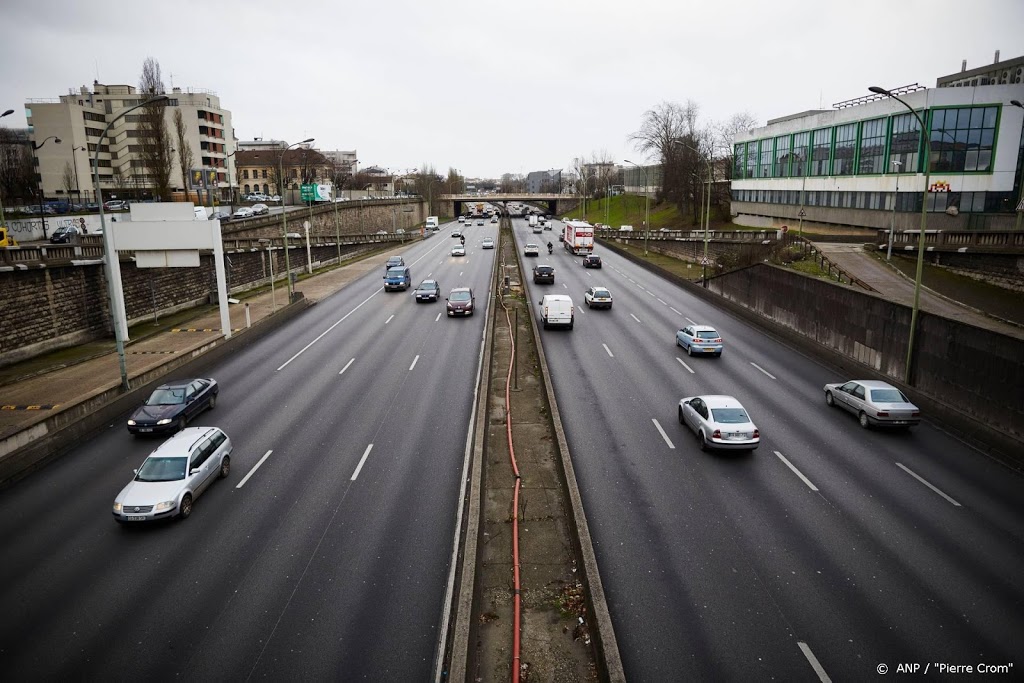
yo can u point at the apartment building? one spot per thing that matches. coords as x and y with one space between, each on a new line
64 169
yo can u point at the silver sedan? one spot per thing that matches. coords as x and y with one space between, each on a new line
720 422
875 403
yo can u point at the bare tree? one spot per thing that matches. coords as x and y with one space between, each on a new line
724 135
455 182
17 175
67 179
185 156
153 132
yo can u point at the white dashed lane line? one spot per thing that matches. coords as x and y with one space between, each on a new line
253 470
390 318
612 355
663 434
763 370
683 363
815 664
674 310
634 317
413 363
690 320
796 471
346 366
926 483
362 461
663 302
437 318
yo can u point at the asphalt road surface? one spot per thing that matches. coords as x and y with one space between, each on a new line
323 556
829 551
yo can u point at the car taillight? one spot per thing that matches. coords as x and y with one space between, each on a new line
916 413
717 434
757 434
718 341
883 413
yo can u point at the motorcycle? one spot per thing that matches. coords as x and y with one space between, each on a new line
550 249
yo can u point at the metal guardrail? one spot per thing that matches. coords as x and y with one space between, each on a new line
1006 241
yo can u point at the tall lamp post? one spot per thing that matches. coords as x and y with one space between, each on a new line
3 221
42 215
113 266
1020 194
707 214
924 223
647 203
284 216
231 184
74 159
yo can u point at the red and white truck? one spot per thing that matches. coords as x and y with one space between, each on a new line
578 237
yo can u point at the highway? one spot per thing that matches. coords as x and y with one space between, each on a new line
323 556
827 553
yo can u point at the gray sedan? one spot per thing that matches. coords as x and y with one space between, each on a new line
428 290
875 403
720 422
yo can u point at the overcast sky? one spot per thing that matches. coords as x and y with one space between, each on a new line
492 87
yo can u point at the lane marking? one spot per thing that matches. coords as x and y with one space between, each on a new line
253 470
815 664
346 366
634 317
650 292
392 317
663 434
414 362
608 350
663 302
437 318
589 274
763 370
796 471
674 310
690 320
322 334
361 461
926 483
565 285
685 365
460 273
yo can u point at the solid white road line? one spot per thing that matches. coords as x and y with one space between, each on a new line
690 320
346 366
796 471
674 310
663 434
608 350
322 334
685 365
437 318
634 317
414 362
815 664
390 318
762 370
920 479
253 470
361 461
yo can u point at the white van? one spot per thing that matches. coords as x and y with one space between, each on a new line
556 310
626 228
432 223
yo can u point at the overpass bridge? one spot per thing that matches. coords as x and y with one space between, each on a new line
556 204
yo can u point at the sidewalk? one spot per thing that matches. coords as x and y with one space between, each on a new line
26 403
894 286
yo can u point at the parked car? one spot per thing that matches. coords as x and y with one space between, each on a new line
720 422
591 261
701 338
875 403
428 290
460 301
220 215
531 250
458 250
273 199
65 234
543 275
174 475
172 405
488 243
597 297
260 209
115 205
394 261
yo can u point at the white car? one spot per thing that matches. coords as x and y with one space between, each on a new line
456 233
174 475
462 219
720 422
458 250
260 209
531 250
243 212
488 243
597 297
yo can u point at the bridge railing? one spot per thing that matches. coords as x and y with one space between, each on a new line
1009 241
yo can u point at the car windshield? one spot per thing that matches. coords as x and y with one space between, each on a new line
459 296
888 396
602 293
166 397
428 284
707 334
396 272
162 469
729 415
544 269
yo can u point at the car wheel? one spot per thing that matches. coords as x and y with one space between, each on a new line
863 419
182 423
703 442
225 467
681 420
213 401
689 350
829 401
186 506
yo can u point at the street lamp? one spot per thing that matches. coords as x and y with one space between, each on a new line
895 198
647 207
231 184
284 215
1020 193
113 266
707 213
42 215
924 223
74 159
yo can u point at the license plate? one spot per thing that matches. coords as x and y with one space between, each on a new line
709 350
899 422
135 518
145 429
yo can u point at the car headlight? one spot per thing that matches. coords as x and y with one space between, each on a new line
117 507
165 421
131 423
166 505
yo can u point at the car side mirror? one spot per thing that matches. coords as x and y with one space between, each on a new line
194 470
135 471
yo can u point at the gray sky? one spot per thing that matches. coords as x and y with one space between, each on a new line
513 86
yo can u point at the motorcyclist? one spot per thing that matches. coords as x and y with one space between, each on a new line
550 247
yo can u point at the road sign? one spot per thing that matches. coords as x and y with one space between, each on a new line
1020 207
705 262
802 213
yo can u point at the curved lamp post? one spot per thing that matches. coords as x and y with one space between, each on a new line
1020 194
924 223
42 216
647 205
284 218
113 266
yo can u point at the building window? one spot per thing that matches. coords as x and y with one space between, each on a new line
962 139
266 189
872 146
765 167
245 174
247 188
737 160
751 163
821 151
782 156
846 143
264 173
905 142
800 143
